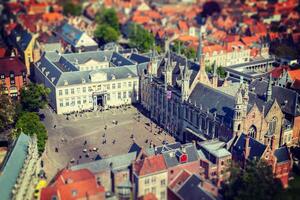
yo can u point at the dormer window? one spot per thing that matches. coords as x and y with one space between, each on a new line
113 77
83 80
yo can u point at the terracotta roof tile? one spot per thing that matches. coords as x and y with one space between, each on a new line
294 74
71 185
149 165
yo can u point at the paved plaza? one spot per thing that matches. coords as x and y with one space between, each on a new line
73 140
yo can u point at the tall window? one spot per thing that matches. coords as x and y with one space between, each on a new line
272 125
252 131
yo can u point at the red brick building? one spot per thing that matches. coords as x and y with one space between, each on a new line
70 185
247 148
13 75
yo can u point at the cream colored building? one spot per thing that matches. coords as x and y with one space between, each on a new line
88 80
151 176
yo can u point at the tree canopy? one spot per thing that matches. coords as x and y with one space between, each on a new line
140 38
179 47
29 123
34 97
108 17
7 112
106 33
69 8
108 26
256 181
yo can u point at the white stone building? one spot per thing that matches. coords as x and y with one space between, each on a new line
87 80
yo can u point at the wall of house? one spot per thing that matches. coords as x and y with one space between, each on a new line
154 183
296 130
105 179
282 172
80 97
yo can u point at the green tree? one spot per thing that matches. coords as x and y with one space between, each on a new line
34 97
221 72
69 8
106 33
140 38
190 53
256 181
108 17
29 123
7 112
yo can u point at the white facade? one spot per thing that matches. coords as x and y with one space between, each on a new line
87 81
80 97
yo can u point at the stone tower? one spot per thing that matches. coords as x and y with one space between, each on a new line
239 111
185 74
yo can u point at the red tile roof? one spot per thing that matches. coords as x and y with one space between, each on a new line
276 73
294 74
8 65
149 165
71 185
177 181
52 17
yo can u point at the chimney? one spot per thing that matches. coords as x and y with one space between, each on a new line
247 147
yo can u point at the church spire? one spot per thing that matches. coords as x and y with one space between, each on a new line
199 50
269 90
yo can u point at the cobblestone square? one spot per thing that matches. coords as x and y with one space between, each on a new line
111 132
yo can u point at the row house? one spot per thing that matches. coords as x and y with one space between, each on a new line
23 43
114 173
19 169
88 80
13 76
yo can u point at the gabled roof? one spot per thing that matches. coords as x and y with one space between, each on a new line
282 154
191 190
12 166
115 163
74 36
214 101
286 98
172 152
257 149
12 64
149 165
20 38
71 185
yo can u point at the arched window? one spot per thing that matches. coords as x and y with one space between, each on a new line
252 131
272 125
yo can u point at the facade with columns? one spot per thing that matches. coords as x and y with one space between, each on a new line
87 80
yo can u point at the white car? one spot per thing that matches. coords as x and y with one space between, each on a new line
84 150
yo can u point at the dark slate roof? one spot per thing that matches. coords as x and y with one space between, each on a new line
135 148
214 101
119 60
76 77
62 68
175 148
139 58
24 38
191 190
256 148
180 61
281 94
71 35
282 154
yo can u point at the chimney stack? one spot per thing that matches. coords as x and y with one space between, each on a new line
247 147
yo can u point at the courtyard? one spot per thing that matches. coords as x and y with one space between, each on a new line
88 136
